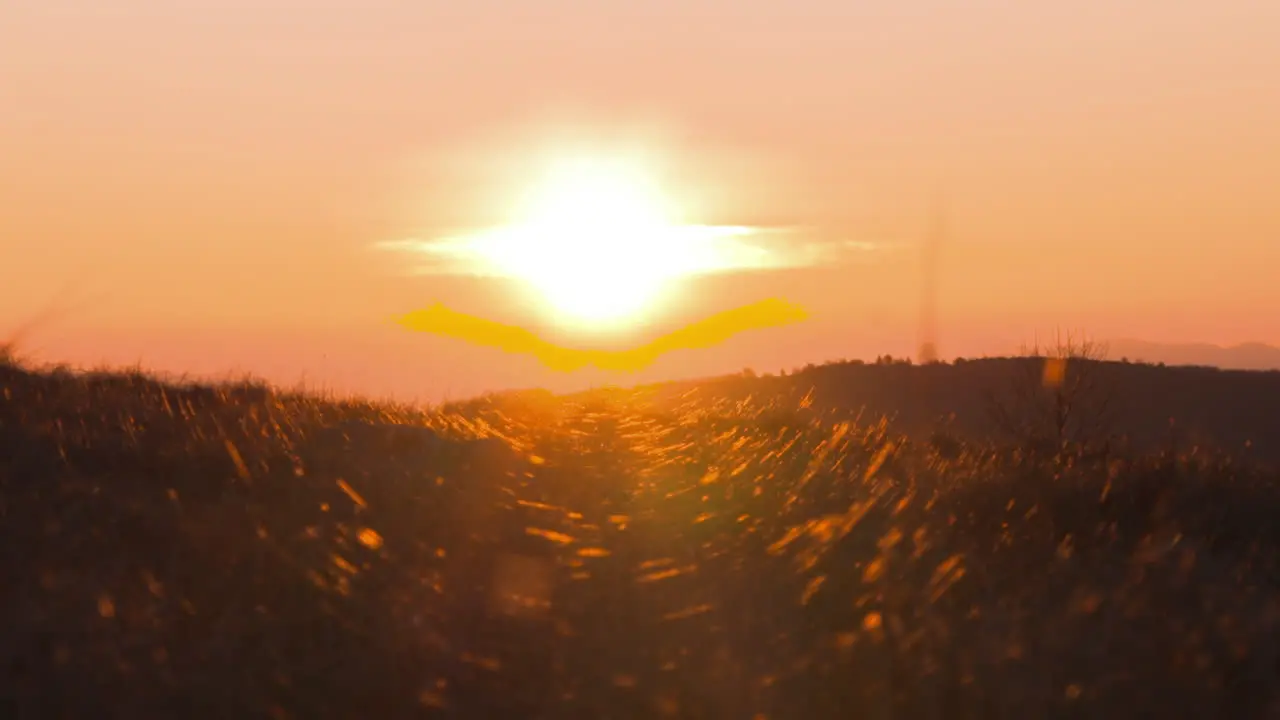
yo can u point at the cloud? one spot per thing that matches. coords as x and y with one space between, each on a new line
711 249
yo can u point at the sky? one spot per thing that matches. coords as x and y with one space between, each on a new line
208 187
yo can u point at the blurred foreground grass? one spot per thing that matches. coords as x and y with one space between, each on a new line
234 551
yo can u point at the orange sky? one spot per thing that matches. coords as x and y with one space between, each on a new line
210 178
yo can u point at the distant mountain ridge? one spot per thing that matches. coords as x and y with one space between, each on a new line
1246 356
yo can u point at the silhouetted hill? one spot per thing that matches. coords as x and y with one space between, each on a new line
1150 405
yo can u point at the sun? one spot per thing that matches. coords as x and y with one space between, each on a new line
597 241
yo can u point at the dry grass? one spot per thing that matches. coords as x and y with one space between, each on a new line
235 551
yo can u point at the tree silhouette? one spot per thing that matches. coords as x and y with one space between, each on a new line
1058 401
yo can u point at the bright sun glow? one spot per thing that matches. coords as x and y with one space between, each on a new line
599 243
602 247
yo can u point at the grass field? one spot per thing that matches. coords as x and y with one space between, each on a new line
235 551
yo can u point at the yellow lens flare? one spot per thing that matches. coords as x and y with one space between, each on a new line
705 333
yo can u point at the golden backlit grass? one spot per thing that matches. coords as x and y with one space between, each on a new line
236 551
